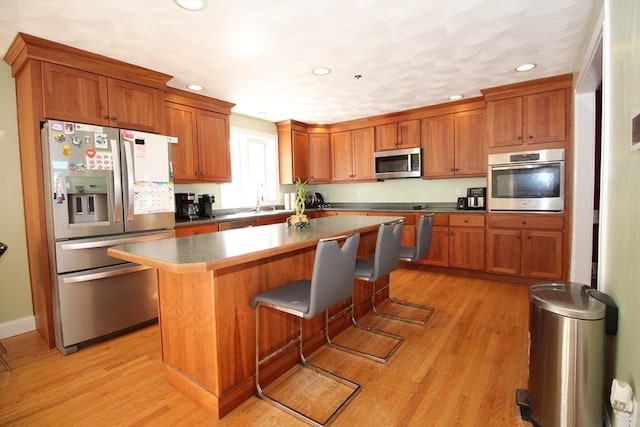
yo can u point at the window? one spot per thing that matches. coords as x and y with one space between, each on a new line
254 170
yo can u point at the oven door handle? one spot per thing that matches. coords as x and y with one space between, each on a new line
523 166
104 274
113 242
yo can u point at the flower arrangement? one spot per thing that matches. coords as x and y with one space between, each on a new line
299 219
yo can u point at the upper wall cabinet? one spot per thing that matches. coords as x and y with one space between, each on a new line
393 136
80 96
293 151
352 155
455 145
201 124
529 114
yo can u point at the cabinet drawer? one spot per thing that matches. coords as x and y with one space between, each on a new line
527 221
190 230
409 219
466 220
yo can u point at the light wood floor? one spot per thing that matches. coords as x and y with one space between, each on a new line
461 369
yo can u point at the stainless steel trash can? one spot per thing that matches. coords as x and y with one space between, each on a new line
566 356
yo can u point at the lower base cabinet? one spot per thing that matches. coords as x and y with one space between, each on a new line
457 241
526 245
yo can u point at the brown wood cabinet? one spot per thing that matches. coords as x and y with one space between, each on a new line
81 96
455 145
393 136
530 119
352 155
201 124
319 158
193 229
408 229
293 151
527 245
457 241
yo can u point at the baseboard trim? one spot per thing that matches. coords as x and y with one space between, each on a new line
17 326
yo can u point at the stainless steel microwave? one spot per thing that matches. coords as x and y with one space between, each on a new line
406 163
526 181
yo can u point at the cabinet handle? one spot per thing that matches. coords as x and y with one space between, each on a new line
524 222
519 138
106 117
530 136
517 237
452 169
113 118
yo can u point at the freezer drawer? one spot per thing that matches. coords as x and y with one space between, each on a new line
83 254
98 302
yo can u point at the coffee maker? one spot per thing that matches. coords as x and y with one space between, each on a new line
205 203
186 206
476 198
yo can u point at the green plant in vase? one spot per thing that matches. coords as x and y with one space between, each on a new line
299 219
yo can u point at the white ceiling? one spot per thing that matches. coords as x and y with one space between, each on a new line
259 54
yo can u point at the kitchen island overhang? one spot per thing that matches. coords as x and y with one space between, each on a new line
205 285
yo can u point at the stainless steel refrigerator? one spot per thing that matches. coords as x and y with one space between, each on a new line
105 187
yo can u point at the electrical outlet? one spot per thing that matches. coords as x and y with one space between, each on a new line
458 191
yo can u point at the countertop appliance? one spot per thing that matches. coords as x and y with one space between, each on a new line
527 181
186 206
315 200
406 163
476 198
205 205
107 187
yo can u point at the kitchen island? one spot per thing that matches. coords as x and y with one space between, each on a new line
205 286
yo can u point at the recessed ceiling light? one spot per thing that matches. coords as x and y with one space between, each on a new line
455 97
525 67
197 88
321 71
192 5
322 122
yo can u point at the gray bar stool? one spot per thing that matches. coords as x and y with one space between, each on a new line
331 282
413 254
3 351
382 262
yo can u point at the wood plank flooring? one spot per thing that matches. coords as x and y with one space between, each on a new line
461 369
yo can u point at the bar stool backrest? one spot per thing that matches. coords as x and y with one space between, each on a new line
385 258
423 240
332 279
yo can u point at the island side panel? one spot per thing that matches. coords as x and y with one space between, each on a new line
187 327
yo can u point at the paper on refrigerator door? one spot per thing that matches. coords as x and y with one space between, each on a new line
153 197
150 156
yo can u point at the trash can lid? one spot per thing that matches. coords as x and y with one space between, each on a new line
567 299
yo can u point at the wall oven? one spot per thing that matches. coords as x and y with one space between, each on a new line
526 181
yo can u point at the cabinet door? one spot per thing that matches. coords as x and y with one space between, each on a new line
181 122
504 118
439 252
438 145
503 251
74 95
214 157
386 137
363 150
319 158
409 134
300 147
341 157
542 254
545 117
466 248
133 106
471 143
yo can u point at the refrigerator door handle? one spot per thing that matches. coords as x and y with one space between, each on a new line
130 190
117 185
112 242
104 274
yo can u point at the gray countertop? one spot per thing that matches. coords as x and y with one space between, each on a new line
417 207
210 251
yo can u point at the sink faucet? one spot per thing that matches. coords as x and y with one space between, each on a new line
259 198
